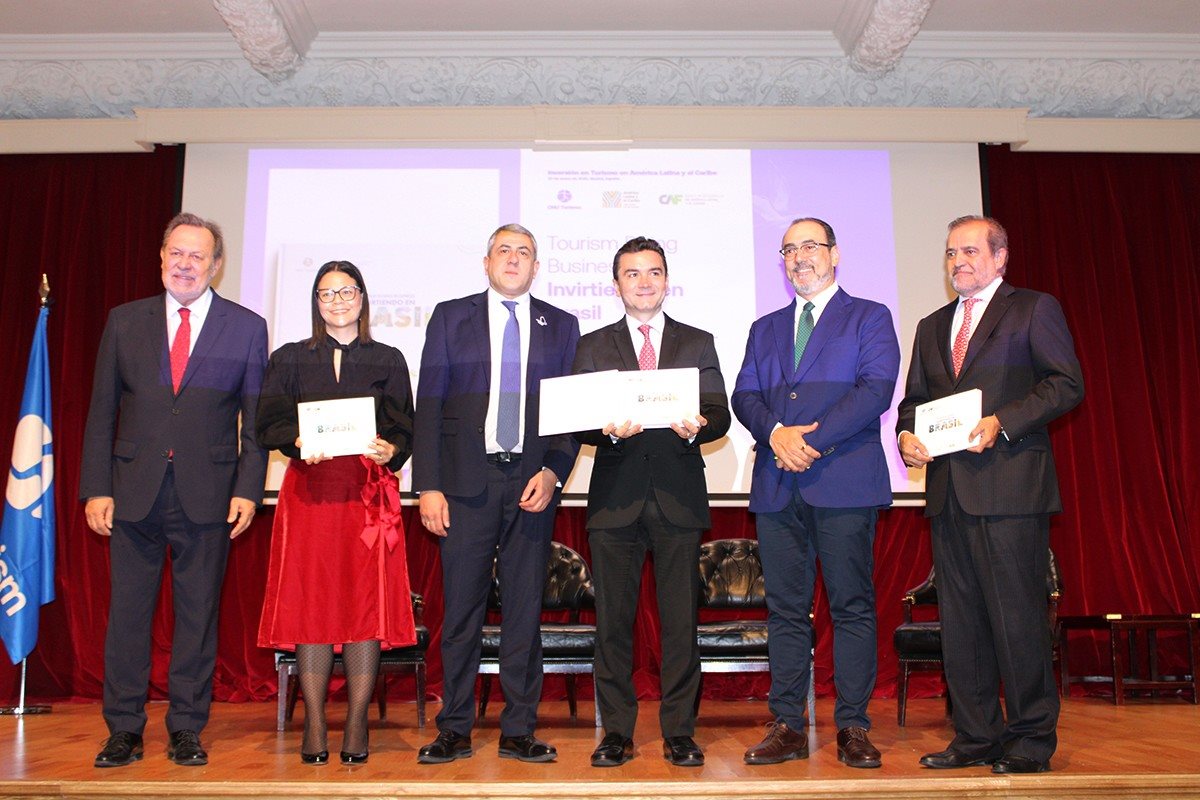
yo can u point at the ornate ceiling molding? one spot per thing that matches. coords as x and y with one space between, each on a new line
875 33
274 35
107 77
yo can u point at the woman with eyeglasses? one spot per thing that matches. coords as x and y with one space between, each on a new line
337 579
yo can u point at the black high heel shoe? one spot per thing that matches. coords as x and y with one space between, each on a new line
315 759
350 759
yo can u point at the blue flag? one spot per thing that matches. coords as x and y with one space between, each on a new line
27 533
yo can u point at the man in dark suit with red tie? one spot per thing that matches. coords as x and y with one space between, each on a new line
165 465
990 505
489 485
648 493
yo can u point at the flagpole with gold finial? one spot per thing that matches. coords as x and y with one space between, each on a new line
20 709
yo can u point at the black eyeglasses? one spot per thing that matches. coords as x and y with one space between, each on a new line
807 248
347 293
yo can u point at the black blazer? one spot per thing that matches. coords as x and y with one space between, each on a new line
659 458
1023 359
135 419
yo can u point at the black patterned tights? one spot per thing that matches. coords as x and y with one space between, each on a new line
315 664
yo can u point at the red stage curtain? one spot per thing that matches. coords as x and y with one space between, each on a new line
1116 238
1080 225
93 223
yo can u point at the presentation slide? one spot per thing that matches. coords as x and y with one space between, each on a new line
416 221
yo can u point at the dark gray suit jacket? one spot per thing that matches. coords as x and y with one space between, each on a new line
1023 359
135 418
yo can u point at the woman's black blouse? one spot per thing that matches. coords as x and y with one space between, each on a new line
298 374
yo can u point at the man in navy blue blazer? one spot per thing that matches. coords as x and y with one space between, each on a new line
166 465
489 484
816 378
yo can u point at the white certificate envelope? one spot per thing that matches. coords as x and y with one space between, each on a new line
650 398
336 427
655 398
943 425
575 403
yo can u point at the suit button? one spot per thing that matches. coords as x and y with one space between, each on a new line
480 429
175 411
645 457
792 396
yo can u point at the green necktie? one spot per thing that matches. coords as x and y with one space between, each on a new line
803 330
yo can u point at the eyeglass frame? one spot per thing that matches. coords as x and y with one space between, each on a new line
355 291
792 251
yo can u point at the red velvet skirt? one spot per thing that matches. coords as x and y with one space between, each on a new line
337 572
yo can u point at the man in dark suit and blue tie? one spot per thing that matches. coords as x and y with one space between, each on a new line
990 505
489 484
648 492
166 465
816 378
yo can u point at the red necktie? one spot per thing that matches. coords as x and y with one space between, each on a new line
959 351
646 358
180 347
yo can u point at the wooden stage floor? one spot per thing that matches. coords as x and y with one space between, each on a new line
1143 749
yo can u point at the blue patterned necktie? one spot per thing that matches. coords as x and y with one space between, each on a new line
803 330
508 418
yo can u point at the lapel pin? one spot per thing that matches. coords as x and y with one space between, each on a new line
541 321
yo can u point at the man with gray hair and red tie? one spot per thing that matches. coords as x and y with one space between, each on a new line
990 505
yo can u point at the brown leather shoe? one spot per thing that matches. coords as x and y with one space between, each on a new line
781 744
855 749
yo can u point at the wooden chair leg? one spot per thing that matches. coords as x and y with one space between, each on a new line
420 694
485 689
293 692
281 714
381 694
571 696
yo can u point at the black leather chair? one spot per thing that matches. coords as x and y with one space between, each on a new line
390 661
919 643
731 579
568 648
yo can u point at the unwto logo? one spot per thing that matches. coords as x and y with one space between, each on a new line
32 468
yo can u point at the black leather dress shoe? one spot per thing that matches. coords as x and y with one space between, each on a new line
682 751
527 748
446 747
613 751
1018 765
316 759
120 749
854 749
953 759
185 749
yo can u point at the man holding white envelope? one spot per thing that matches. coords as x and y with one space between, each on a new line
648 492
990 503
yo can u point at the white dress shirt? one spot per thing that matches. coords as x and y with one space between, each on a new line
199 309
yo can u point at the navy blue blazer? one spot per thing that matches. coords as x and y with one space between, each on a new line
135 418
845 382
449 453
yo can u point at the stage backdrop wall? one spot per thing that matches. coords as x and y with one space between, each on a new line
1114 237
